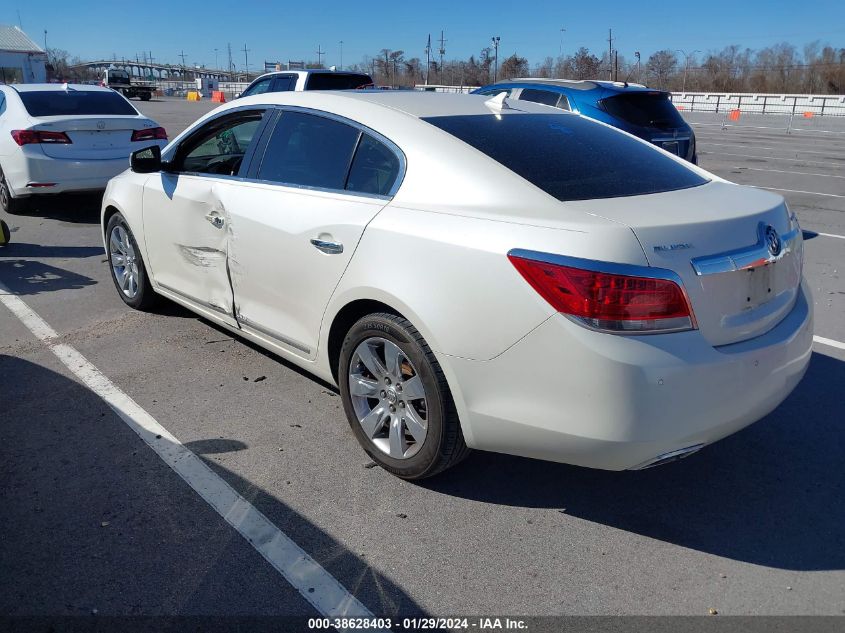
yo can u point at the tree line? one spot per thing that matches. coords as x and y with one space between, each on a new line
781 68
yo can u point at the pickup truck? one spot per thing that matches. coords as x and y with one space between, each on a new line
120 80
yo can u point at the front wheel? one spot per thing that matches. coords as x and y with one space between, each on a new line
127 266
397 400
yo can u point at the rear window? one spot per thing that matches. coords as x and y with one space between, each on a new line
646 109
75 102
570 157
337 81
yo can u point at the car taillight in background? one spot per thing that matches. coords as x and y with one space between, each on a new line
644 302
150 134
29 137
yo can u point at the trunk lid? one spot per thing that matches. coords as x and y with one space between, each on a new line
737 249
93 137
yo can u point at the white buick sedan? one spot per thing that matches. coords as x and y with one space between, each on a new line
474 274
56 138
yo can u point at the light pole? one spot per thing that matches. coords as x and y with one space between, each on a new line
560 49
216 66
496 39
686 65
341 54
637 55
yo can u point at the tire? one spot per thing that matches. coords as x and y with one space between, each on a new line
146 96
121 243
12 206
388 420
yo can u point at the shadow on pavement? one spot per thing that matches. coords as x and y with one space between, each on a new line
94 522
22 249
29 277
772 495
81 208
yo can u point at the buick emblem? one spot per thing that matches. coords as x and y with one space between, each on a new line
101 125
773 241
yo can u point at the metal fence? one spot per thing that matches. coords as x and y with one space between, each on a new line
802 105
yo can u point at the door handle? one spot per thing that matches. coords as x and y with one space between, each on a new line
332 248
216 219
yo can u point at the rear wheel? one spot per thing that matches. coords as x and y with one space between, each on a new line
9 204
146 96
397 400
127 266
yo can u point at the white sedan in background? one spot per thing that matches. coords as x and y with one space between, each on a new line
474 274
56 138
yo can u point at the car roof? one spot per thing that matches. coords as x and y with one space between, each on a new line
57 87
310 71
580 84
416 103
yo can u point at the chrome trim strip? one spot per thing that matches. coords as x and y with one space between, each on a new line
748 257
666 458
188 297
613 268
252 325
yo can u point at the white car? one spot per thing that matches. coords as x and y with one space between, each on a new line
474 274
56 138
311 79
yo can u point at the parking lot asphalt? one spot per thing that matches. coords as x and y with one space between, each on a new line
95 522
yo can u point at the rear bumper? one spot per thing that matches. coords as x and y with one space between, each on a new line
567 394
67 175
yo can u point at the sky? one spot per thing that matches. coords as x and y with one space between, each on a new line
294 30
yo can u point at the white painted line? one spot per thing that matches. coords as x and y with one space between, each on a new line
765 127
781 158
828 341
814 193
316 585
786 171
841 237
774 149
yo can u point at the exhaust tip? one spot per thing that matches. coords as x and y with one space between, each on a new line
671 456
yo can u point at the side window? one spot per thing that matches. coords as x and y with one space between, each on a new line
545 97
492 92
283 83
2 103
258 88
309 150
374 168
219 147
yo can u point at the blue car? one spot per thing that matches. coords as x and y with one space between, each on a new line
638 110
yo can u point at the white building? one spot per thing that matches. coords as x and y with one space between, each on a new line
21 59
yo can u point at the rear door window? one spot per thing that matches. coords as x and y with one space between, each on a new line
284 83
546 97
75 103
309 151
375 168
570 157
337 81
645 109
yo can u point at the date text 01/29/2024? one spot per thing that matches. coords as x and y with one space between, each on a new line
419 624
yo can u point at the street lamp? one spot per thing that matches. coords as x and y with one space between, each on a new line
496 63
341 54
686 65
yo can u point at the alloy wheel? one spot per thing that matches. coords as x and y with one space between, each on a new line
124 262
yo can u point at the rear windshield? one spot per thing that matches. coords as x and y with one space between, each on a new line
570 157
646 109
75 102
337 81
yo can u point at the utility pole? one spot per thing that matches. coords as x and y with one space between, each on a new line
616 65
560 50
610 53
45 40
216 64
427 59
442 53
184 73
496 39
246 61
686 65
320 54
341 54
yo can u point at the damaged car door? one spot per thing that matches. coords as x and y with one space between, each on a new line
186 222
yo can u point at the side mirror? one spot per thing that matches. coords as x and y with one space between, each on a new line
237 95
146 161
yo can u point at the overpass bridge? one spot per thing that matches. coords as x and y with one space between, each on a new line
146 70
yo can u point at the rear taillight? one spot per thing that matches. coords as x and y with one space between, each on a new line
150 134
28 137
643 302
